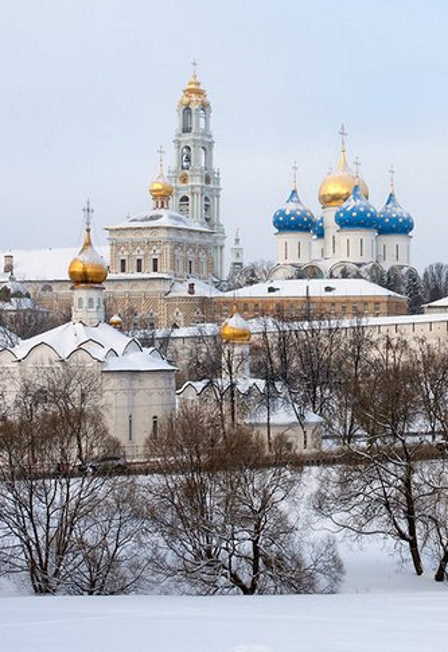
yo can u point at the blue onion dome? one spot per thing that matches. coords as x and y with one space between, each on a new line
318 227
357 212
393 219
293 216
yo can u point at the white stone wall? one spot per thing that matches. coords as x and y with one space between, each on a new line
300 440
393 250
131 402
356 245
293 247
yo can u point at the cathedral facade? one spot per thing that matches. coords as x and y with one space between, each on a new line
349 238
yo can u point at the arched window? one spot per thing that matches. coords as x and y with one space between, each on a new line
202 119
186 157
397 252
186 120
348 248
90 303
207 204
80 303
361 247
184 205
203 157
299 250
46 288
286 250
384 252
333 242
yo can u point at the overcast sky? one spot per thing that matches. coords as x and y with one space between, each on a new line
90 90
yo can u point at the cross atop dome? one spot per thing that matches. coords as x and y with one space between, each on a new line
343 134
392 177
88 212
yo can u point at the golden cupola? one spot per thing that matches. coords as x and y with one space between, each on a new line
236 329
88 267
338 185
193 94
160 190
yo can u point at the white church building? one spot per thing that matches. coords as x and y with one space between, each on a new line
349 234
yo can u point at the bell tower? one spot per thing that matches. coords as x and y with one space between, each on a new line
195 180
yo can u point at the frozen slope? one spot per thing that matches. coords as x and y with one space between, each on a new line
414 622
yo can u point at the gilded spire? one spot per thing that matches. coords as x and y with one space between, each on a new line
88 267
193 94
160 189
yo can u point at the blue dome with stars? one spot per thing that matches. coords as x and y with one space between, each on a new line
357 212
393 219
293 216
318 227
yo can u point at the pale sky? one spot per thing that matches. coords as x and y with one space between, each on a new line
90 90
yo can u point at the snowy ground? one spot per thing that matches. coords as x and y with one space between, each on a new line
383 608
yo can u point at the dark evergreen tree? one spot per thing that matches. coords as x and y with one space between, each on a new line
395 281
414 292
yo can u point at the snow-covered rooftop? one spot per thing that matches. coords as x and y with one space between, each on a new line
439 303
313 288
200 289
43 264
281 413
160 217
146 360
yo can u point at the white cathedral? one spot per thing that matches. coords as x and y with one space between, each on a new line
350 235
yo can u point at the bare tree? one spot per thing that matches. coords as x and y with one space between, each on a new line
43 508
222 515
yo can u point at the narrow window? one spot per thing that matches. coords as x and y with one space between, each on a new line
139 265
305 440
184 205
286 251
202 119
130 427
361 247
80 302
348 248
333 240
155 264
203 157
122 265
190 267
185 157
397 252
90 304
186 120
207 204
298 250
155 427
384 252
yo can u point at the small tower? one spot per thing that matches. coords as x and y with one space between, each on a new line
88 271
236 256
235 334
160 190
394 231
294 223
334 190
195 180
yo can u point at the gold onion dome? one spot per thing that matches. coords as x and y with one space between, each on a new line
235 329
338 185
193 93
160 188
88 267
116 321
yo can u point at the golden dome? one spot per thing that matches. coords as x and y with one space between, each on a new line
88 266
116 321
193 93
337 186
160 188
235 329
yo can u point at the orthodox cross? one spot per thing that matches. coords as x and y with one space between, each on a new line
391 176
88 211
357 164
295 167
194 63
342 134
161 152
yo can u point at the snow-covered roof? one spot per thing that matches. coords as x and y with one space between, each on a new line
160 217
439 303
281 413
200 330
43 264
330 287
242 384
146 360
201 289
100 341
